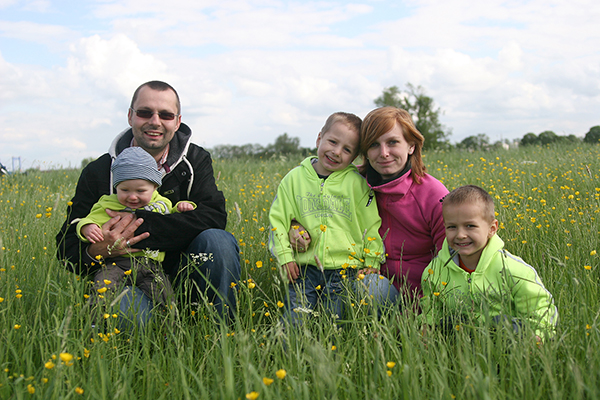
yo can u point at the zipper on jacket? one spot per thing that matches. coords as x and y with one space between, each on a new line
371 195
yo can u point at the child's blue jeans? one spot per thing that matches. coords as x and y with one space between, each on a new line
314 286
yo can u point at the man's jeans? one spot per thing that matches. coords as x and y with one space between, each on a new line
214 264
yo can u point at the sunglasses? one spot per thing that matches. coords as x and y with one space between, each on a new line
147 114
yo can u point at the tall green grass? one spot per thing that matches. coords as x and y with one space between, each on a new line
547 199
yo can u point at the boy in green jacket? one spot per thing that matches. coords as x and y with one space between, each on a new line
474 277
331 200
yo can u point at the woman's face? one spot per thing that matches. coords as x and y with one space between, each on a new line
389 153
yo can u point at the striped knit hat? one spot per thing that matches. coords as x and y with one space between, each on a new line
135 163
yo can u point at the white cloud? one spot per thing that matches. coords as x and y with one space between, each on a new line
34 32
249 70
114 65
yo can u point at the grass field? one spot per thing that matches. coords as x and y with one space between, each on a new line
547 199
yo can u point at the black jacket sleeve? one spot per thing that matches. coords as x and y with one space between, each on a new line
174 232
94 182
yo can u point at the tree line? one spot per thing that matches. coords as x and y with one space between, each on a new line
426 116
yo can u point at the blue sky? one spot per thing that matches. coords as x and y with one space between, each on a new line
249 70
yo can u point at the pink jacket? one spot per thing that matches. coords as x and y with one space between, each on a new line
412 227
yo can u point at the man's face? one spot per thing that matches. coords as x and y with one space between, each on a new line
154 134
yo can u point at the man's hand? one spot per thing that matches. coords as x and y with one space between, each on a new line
118 236
299 237
92 233
292 271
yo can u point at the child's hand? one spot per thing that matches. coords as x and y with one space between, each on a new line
292 270
92 232
183 206
367 271
299 237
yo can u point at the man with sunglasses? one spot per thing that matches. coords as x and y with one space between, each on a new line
200 254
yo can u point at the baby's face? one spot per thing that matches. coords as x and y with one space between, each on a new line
336 148
135 193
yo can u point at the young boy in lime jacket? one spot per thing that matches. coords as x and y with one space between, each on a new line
332 201
474 278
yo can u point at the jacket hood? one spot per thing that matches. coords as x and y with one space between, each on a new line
178 146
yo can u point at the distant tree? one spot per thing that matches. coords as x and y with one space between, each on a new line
547 137
529 139
285 145
593 136
570 138
233 151
501 144
476 142
86 161
423 111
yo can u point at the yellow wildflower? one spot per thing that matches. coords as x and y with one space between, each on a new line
252 395
268 381
281 373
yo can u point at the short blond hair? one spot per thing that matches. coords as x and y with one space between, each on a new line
472 194
348 119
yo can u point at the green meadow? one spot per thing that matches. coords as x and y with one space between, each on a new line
548 205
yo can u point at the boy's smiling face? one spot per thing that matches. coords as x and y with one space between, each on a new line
468 231
336 148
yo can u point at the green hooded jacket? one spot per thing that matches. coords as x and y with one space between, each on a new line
501 285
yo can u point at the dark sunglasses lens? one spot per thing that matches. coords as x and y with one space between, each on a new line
167 116
144 113
147 114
